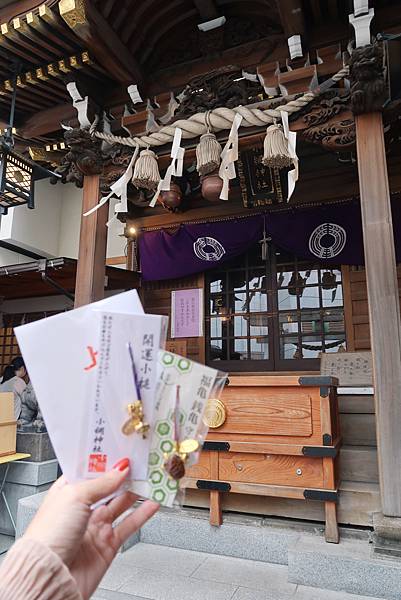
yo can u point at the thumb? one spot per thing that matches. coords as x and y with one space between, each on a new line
93 490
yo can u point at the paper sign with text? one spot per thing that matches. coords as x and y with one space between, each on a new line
113 389
187 313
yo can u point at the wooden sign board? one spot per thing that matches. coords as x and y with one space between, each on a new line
352 369
177 347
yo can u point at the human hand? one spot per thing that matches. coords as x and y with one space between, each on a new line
85 539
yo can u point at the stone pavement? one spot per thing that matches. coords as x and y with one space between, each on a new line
150 572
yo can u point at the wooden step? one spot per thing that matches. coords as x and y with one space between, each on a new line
358 429
356 404
359 463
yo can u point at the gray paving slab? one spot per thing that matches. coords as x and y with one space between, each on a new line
246 573
108 595
243 593
173 586
162 558
117 575
347 567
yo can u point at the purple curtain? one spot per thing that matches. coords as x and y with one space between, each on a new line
195 248
332 234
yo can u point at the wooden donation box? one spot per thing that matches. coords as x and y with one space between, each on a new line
272 436
8 425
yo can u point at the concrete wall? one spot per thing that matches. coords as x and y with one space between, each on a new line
52 228
35 230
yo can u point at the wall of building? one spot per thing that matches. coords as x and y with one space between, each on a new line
52 228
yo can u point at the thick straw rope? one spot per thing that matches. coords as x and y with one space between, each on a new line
219 119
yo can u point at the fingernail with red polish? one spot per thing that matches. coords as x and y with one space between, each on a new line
121 465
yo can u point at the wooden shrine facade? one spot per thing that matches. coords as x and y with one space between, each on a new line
127 75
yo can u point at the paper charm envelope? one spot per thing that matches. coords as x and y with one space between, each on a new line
196 383
127 368
61 357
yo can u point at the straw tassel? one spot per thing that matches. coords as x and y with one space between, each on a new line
276 152
208 153
146 172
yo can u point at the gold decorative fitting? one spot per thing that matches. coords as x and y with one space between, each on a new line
73 12
75 62
37 153
4 28
135 423
53 70
86 59
215 413
31 78
30 18
42 74
8 85
20 81
63 66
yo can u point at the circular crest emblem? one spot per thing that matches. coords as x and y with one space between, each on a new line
327 240
215 413
207 248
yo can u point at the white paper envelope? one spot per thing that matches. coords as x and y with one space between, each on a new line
121 379
61 358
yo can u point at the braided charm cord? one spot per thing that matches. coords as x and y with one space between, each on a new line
219 119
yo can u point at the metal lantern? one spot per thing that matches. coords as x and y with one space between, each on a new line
16 180
17 173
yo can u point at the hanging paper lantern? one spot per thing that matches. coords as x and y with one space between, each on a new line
146 172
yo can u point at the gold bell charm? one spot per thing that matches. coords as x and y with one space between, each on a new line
135 423
174 463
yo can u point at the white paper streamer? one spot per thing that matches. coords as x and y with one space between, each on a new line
80 104
291 136
175 168
119 189
229 156
172 107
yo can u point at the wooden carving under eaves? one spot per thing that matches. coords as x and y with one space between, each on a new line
84 157
367 77
330 123
223 87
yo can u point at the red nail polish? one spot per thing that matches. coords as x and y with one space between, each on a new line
121 465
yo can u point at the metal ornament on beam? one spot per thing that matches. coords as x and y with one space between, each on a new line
73 12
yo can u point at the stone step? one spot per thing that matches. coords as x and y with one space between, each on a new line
24 479
348 567
241 536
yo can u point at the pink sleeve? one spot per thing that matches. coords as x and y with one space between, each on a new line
31 571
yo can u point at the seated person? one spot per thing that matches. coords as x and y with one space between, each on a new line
13 381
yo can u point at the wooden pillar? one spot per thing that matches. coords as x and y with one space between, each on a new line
91 269
384 308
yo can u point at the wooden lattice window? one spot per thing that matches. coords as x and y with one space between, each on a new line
274 314
8 347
